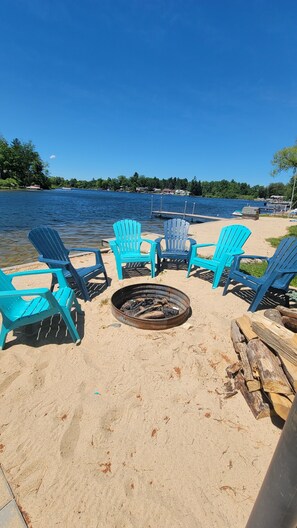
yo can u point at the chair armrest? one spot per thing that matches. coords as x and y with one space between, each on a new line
192 241
96 252
58 272
33 292
159 240
152 242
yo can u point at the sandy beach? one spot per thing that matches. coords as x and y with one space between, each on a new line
131 429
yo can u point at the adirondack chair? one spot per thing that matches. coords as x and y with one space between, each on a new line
175 244
229 244
52 251
281 269
126 246
17 312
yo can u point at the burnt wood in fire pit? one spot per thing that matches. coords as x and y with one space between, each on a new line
150 306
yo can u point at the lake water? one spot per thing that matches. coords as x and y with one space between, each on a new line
84 218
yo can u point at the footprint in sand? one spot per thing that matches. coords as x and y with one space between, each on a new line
70 437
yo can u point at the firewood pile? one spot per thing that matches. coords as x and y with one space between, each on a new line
266 370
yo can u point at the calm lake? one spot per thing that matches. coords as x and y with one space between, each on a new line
84 218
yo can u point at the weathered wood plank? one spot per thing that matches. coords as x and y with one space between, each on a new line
290 371
259 408
282 340
252 383
236 335
281 404
267 364
289 312
245 325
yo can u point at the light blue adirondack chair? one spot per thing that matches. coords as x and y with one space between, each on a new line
127 244
230 243
175 244
281 269
17 312
52 251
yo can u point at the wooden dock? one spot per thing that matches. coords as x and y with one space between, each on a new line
190 217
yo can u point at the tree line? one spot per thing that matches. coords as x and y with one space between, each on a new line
22 166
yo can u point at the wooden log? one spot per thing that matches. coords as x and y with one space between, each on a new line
282 340
236 335
267 364
289 312
291 371
252 383
290 323
274 315
281 404
259 408
233 369
245 325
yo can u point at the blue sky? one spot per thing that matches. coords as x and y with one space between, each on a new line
184 88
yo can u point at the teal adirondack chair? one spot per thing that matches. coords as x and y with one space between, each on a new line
281 269
230 243
127 244
17 312
175 244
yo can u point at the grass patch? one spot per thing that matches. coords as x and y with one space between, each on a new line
257 269
292 231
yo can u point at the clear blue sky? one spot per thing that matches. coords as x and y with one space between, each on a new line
184 88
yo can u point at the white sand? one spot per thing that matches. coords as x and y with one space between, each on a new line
159 446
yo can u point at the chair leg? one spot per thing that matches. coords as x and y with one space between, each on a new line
3 335
217 277
153 269
257 300
70 325
84 290
189 270
226 285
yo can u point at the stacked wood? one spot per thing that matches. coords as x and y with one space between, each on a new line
266 370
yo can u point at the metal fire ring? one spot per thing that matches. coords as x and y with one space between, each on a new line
174 296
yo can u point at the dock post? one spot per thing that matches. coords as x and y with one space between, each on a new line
152 206
185 208
161 204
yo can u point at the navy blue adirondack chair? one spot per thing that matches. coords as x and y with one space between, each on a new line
52 251
230 243
126 246
17 311
175 244
281 269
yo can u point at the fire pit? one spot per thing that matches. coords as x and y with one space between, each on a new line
150 306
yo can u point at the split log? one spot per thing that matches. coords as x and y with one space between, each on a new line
236 335
274 315
259 408
290 323
252 383
289 312
290 371
233 369
245 326
282 340
267 365
281 404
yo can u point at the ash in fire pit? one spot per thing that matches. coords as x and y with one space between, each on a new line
150 306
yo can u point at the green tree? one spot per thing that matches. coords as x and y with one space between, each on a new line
22 162
284 160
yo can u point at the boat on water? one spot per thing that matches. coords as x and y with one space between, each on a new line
237 213
34 188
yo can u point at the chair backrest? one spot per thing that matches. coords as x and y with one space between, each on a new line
128 235
48 243
231 237
176 234
8 304
285 258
